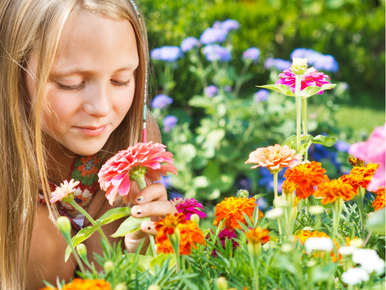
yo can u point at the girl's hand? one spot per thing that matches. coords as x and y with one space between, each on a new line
150 202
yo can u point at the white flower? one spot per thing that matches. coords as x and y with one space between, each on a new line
345 251
323 244
274 213
316 209
354 276
299 61
369 260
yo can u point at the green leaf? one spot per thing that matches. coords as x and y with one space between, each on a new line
143 262
129 226
279 88
81 236
324 140
290 141
313 90
188 152
376 222
256 214
257 196
113 214
161 259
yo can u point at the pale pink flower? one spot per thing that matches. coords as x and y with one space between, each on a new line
274 157
373 150
188 206
64 190
114 176
310 78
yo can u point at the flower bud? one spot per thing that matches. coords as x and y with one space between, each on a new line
222 283
64 225
242 193
357 243
120 286
286 248
82 250
154 287
299 65
109 266
311 263
254 249
316 209
194 217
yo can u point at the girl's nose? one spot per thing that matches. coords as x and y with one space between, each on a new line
98 103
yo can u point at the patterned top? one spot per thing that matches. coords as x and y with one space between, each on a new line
85 169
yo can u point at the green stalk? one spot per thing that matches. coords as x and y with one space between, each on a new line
75 253
359 200
85 213
239 81
298 82
175 240
200 66
256 272
304 117
275 176
337 207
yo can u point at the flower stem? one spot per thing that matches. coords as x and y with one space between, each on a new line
298 82
337 207
275 176
256 274
77 258
92 221
359 200
239 81
304 117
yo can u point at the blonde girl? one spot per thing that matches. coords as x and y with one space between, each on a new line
72 87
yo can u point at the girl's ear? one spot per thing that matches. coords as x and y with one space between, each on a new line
152 131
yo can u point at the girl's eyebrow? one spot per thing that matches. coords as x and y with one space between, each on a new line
80 70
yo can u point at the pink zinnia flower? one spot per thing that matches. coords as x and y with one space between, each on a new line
274 157
114 176
64 190
373 150
188 206
310 78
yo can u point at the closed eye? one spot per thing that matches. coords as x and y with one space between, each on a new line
116 83
71 88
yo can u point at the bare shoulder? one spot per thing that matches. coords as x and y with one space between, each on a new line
152 129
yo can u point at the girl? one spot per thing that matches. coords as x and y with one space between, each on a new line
72 91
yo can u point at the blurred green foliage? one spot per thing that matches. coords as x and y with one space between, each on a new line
353 31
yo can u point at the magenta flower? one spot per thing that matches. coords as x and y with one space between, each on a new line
188 206
373 150
310 78
64 191
231 235
145 158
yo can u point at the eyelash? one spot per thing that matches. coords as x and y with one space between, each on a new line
77 87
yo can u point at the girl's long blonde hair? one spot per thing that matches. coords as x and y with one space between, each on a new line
35 26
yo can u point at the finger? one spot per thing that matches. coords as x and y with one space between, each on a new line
153 192
155 208
149 228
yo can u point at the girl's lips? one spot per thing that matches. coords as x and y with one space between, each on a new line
92 131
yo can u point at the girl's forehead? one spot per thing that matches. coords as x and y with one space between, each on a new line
93 42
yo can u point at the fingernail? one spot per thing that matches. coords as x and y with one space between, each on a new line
138 209
149 228
140 198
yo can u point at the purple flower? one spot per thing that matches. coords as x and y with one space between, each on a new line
316 59
211 91
161 101
169 123
342 146
230 24
188 206
278 63
261 95
212 35
252 53
223 235
165 181
217 52
166 53
228 88
189 43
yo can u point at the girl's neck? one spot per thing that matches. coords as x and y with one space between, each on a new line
59 161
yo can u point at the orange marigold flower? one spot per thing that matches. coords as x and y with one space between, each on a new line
360 176
379 201
304 177
231 209
334 189
80 284
257 236
303 236
356 162
274 157
189 233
